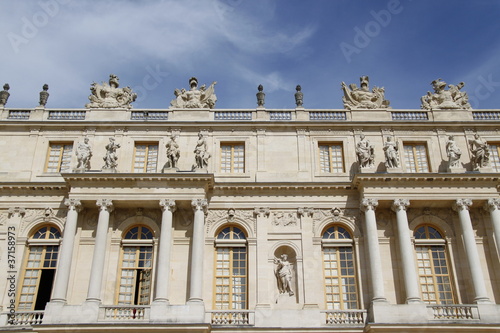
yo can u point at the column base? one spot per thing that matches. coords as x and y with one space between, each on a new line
414 300
482 300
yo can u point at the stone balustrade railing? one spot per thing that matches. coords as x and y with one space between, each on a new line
454 312
124 313
293 115
26 318
345 317
231 317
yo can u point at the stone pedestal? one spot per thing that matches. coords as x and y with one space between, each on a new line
369 169
105 170
455 170
169 170
394 170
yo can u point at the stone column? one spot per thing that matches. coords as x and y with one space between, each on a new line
164 250
407 257
462 207
196 281
377 280
66 255
493 206
95 283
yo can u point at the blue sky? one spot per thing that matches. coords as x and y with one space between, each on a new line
156 46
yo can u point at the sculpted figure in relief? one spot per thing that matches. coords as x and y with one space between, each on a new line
391 153
201 154
453 152
362 98
108 95
453 98
173 153
284 273
194 98
480 152
365 152
83 154
111 158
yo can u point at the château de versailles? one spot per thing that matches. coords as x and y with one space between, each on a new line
198 219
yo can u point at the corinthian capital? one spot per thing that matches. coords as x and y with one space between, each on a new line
105 204
462 204
400 204
368 204
199 204
73 204
167 204
492 204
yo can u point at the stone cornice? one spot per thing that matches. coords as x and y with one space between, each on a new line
404 179
298 186
32 186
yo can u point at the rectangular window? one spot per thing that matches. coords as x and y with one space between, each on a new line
416 157
59 157
340 278
331 158
495 156
435 280
232 158
145 157
231 278
135 275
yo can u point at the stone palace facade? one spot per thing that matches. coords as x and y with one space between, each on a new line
198 219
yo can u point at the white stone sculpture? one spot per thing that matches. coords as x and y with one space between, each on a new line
284 273
480 153
110 96
111 158
201 155
453 152
391 154
194 97
365 152
173 153
443 99
83 155
362 98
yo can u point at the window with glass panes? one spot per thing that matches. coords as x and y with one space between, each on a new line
341 291
232 158
231 281
416 157
39 269
495 156
59 157
433 267
145 157
136 267
331 158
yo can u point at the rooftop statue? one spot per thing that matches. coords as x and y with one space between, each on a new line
452 98
261 96
110 96
4 95
299 96
362 98
44 95
194 98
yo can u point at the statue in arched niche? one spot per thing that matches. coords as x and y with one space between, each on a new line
284 274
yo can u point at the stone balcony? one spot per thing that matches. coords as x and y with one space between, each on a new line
250 115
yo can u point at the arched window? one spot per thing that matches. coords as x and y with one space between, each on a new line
433 268
341 290
136 267
231 280
39 269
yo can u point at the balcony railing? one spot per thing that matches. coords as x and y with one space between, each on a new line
149 115
233 115
19 114
454 312
327 115
345 317
124 313
27 318
280 115
486 115
418 115
232 317
67 115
